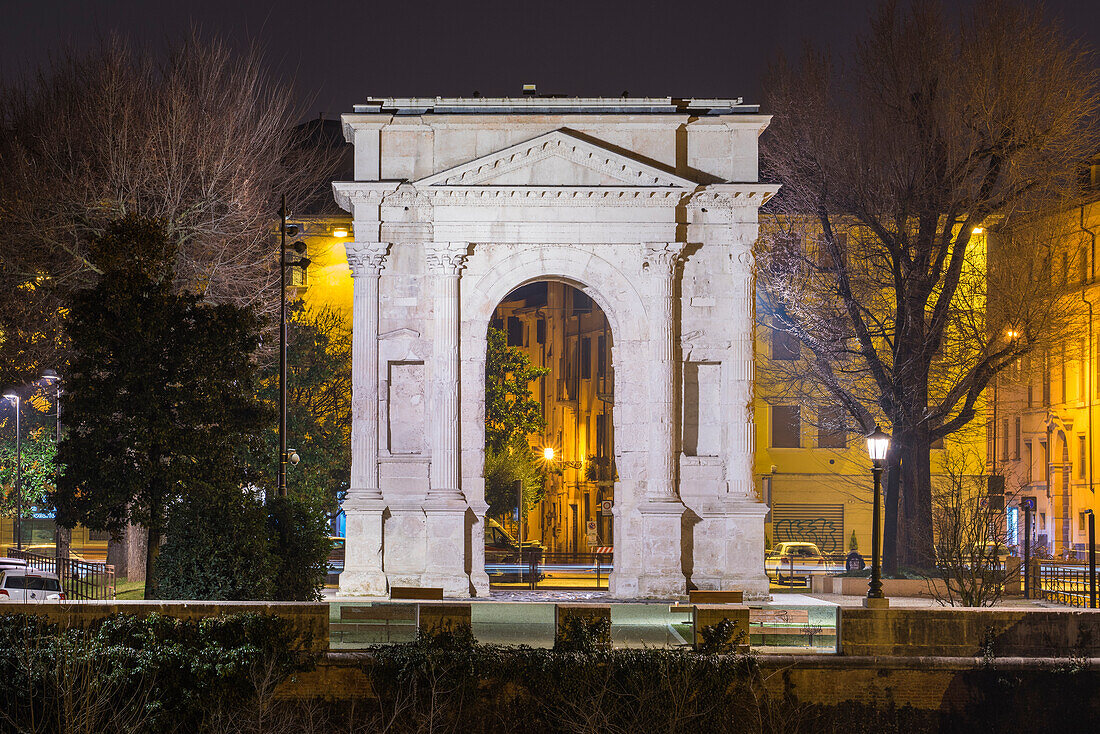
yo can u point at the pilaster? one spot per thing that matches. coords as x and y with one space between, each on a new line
661 514
363 573
445 507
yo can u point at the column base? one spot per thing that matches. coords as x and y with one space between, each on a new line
445 523
879 603
363 574
662 571
727 546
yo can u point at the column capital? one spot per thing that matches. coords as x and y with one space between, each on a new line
446 258
366 258
662 255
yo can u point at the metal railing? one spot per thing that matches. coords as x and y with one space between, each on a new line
79 579
1064 582
540 570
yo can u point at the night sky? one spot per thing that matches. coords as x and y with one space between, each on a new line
339 53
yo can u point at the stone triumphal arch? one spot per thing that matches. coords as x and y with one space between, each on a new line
649 206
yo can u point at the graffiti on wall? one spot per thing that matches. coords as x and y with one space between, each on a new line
822 525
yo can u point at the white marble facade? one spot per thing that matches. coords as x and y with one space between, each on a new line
647 205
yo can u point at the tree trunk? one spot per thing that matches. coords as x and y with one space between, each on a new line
916 549
152 551
892 481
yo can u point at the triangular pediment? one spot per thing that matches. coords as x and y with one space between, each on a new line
556 158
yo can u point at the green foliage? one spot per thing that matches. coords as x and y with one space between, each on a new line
39 452
721 638
318 404
160 397
218 547
510 411
298 529
129 673
582 633
503 468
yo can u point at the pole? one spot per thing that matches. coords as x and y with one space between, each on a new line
1027 550
282 353
1092 560
18 478
874 589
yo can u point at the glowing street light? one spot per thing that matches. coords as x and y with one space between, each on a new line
878 443
548 453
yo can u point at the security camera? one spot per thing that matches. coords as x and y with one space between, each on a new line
292 456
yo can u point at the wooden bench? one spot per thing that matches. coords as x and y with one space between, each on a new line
779 616
429 593
713 596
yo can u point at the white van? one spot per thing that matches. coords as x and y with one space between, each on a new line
29 585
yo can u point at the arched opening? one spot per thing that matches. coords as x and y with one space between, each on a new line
549 453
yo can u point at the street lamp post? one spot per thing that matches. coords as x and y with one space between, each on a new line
878 443
52 378
301 262
18 525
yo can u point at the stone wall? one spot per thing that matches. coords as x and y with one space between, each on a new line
958 632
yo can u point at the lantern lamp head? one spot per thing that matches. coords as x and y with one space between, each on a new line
878 443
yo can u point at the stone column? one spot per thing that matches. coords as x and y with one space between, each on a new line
445 506
662 570
363 574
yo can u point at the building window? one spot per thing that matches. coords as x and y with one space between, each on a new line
540 331
515 332
1046 380
786 427
586 358
1082 521
1016 442
831 427
1004 440
601 356
990 439
1044 453
1082 265
1082 348
1028 458
1062 370
785 346
1082 457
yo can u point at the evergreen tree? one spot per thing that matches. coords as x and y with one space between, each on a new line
161 401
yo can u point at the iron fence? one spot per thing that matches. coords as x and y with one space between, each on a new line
1064 582
80 579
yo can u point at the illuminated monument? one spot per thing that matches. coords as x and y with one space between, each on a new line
648 206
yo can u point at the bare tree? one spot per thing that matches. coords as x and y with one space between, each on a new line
971 537
202 139
906 256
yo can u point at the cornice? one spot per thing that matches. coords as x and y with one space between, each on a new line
732 194
349 193
554 196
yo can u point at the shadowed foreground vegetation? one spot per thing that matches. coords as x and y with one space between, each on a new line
157 674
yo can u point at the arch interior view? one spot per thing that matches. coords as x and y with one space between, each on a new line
626 226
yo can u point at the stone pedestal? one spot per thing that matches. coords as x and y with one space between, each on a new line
727 540
445 523
362 574
661 572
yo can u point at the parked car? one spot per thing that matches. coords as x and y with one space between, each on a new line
795 560
503 560
28 585
6 563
